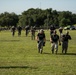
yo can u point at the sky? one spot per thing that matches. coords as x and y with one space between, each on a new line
18 6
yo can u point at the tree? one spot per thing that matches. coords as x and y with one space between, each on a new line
65 18
38 17
7 19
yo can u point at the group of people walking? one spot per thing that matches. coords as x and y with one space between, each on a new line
27 29
13 29
55 40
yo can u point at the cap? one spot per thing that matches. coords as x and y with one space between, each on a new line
41 30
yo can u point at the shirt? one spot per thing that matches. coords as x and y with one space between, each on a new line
66 38
41 36
54 37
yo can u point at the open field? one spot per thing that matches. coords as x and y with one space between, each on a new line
19 56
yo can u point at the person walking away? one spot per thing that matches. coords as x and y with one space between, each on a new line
54 42
13 30
19 30
27 30
32 33
65 40
40 40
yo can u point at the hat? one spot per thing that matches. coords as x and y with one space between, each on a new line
60 27
55 31
41 30
67 32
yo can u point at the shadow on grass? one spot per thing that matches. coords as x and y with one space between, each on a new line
48 40
24 67
9 40
66 54
60 53
46 53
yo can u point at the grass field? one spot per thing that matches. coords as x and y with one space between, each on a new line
19 56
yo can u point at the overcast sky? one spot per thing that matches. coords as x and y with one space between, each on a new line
18 6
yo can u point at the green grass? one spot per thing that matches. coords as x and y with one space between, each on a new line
19 56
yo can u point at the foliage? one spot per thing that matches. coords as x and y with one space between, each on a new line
65 18
38 17
7 19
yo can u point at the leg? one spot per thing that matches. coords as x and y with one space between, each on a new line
34 36
66 47
26 32
56 47
20 33
39 46
31 37
52 48
63 47
66 50
41 50
13 33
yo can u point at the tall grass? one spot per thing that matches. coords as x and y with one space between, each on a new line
19 56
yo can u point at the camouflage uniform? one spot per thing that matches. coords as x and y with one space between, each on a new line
41 39
32 33
54 42
65 39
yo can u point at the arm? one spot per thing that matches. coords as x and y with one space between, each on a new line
51 40
69 37
44 38
59 42
37 39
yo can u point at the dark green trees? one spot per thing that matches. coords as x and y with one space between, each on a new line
7 19
38 17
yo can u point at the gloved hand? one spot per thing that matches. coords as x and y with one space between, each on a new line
60 44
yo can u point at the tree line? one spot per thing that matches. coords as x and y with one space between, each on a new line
38 17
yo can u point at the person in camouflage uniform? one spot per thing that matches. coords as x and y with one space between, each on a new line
65 40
